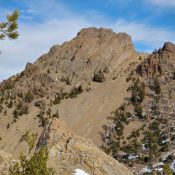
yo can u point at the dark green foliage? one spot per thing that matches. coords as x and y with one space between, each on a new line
59 97
75 91
36 165
8 125
134 134
40 104
48 71
10 104
138 111
156 87
28 97
151 139
20 109
119 127
23 110
137 92
133 147
63 95
99 76
9 28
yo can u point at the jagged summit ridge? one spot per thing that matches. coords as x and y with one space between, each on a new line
102 33
91 51
168 46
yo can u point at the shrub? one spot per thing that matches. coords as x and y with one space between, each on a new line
75 91
10 104
8 125
40 104
24 110
57 99
138 111
28 97
156 87
137 92
20 110
36 165
48 71
99 76
30 140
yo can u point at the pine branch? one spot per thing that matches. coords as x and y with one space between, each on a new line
9 28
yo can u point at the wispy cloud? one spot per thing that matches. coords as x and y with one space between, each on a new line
163 3
140 32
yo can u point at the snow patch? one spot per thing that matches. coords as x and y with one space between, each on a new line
80 172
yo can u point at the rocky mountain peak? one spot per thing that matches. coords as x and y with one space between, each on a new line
93 51
103 33
169 47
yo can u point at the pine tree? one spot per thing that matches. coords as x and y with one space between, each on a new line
9 28
157 87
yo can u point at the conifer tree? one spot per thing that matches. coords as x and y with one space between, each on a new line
157 87
9 28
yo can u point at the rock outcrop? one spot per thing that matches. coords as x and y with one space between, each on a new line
68 152
160 61
92 50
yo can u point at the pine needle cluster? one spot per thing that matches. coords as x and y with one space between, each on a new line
9 28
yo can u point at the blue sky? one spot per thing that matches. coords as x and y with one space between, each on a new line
44 23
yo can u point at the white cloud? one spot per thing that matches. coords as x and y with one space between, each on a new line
141 32
163 3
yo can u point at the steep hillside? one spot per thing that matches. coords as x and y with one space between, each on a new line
68 152
142 131
81 82
90 67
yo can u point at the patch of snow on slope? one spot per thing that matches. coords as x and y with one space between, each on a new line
79 172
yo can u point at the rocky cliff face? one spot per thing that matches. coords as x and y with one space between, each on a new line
92 52
68 152
160 61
